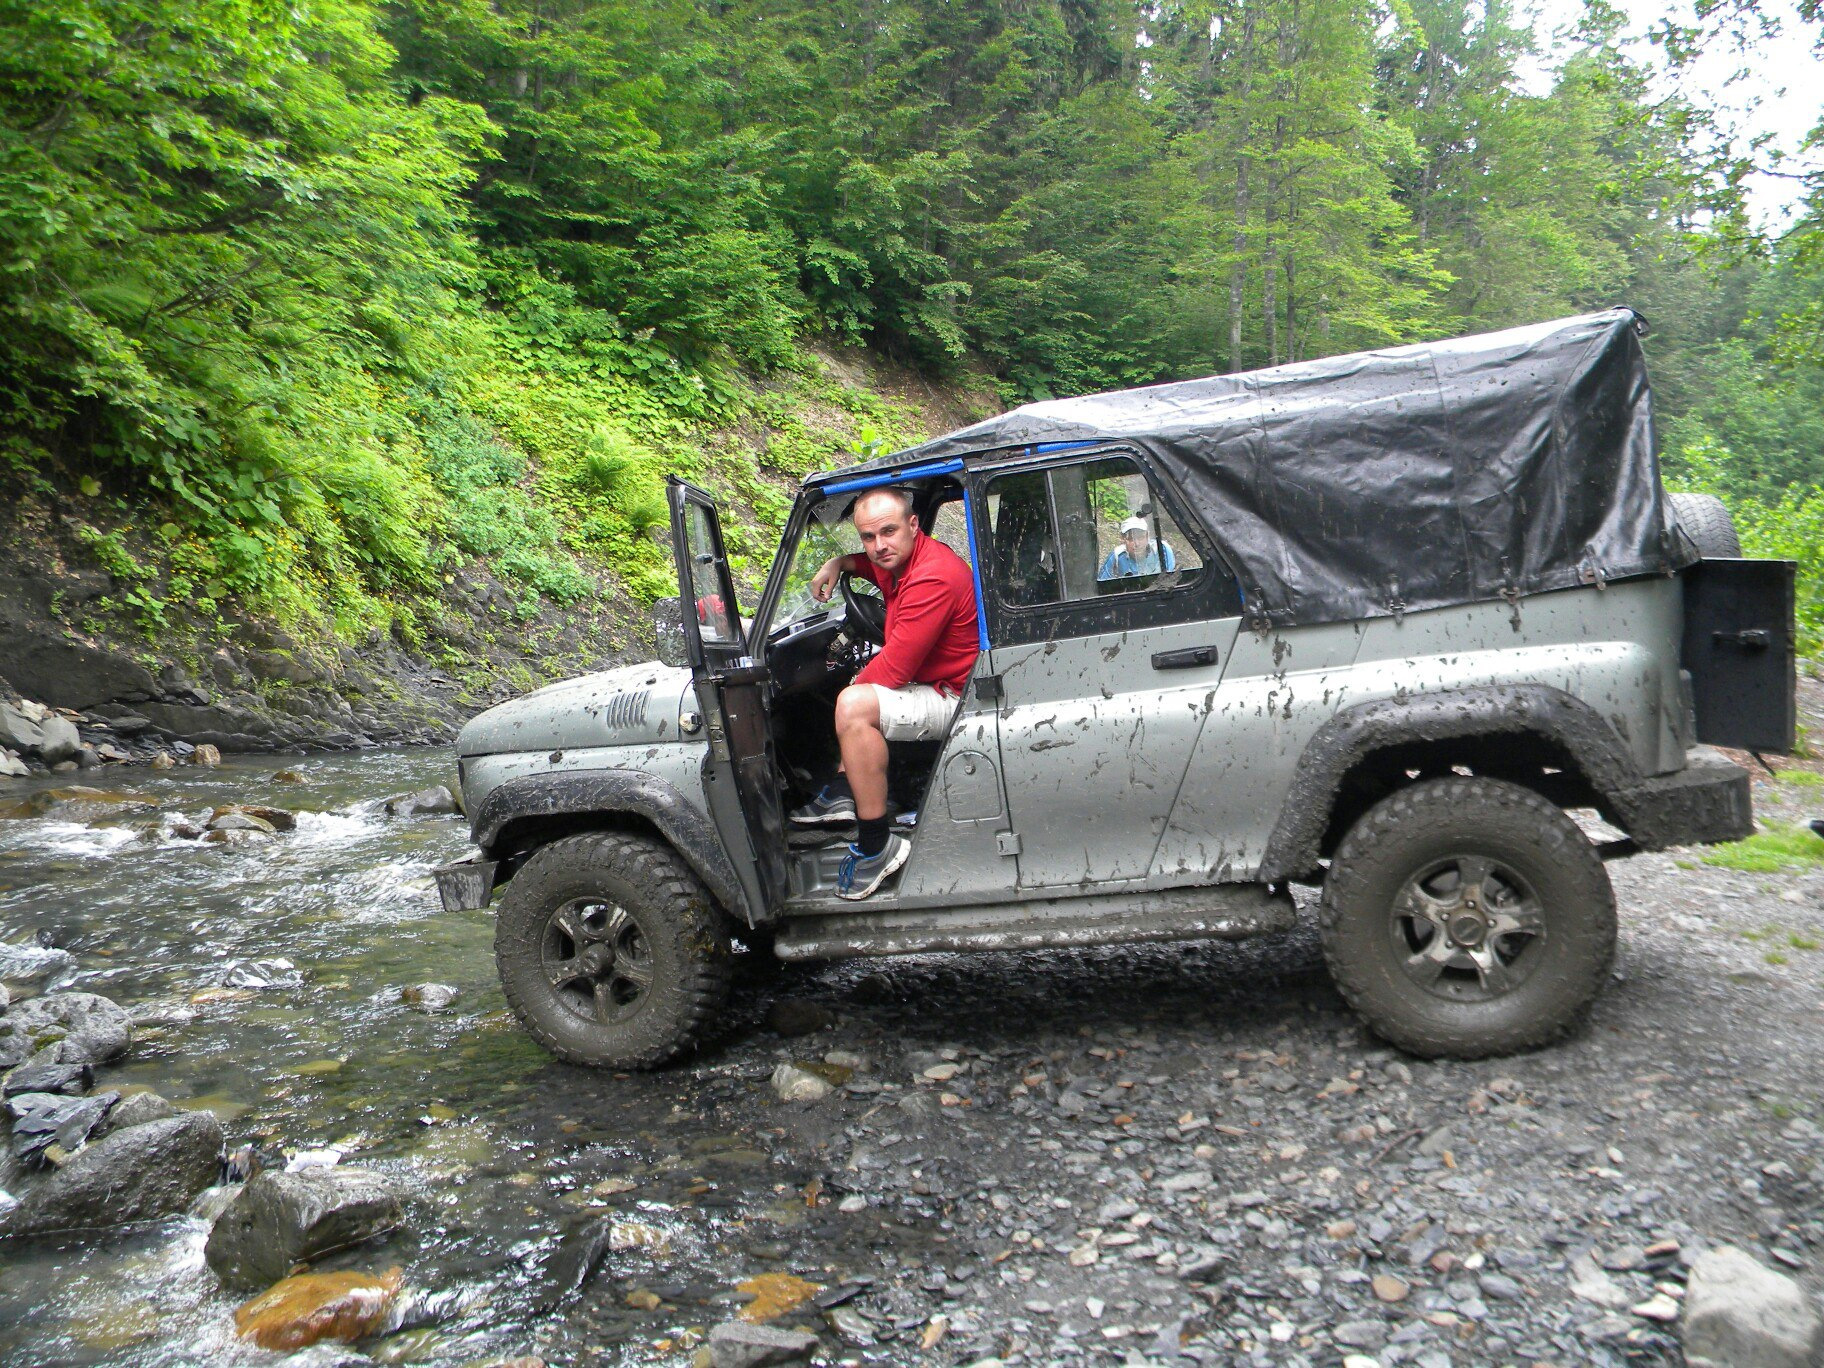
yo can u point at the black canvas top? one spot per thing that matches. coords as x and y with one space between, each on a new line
1389 481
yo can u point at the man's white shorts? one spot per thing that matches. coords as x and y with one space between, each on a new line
915 712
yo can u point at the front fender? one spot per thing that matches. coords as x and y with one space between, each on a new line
532 799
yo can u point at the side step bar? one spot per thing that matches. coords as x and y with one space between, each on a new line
1230 912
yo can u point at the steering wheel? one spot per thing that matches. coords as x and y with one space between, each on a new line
865 613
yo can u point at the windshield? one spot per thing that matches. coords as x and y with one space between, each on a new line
829 533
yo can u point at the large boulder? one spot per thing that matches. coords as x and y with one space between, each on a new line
83 1027
137 1174
19 732
1739 1314
282 1219
61 740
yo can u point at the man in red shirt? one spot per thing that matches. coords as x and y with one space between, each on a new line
909 690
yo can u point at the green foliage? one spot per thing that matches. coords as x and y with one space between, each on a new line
1773 851
348 296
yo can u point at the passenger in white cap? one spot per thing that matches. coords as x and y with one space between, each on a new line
1138 554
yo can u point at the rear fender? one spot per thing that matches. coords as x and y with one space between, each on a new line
607 798
1354 734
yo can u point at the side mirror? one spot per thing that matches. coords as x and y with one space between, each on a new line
668 631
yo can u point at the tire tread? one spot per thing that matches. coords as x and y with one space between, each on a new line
1372 842
652 866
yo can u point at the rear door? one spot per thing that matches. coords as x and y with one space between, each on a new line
1104 658
740 776
1739 653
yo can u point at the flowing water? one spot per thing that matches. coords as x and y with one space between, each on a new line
499 1146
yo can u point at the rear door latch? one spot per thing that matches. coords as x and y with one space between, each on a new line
1749 638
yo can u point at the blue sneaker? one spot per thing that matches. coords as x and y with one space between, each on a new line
826 809
861 874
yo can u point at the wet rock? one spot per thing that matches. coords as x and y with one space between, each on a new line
136 1174
77 803
278 819
162 761
1739 1314
428 997
266 973
798 1017
206 755
796 1084
137 1110
42 1121
242 821
738 1344
571 1263
35 963
61 741
19 732
84 1027
281 1219
436 801
286 776
313 1307
43 1073
11 766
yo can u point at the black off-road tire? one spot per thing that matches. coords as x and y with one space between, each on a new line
681 933
1529 842
1707 521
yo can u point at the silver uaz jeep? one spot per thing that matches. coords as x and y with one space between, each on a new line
1407 608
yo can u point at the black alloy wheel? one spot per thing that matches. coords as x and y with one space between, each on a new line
611 952
1468 917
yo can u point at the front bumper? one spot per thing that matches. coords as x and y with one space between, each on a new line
1706 802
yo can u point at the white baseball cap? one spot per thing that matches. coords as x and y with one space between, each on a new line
1133 525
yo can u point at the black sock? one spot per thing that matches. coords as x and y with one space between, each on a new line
872 837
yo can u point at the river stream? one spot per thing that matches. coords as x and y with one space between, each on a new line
499 1146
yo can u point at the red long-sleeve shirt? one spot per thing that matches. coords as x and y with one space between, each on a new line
931 624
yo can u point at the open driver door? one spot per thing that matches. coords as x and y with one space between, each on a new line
740 777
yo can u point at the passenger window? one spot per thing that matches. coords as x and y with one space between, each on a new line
1137 543
1083 531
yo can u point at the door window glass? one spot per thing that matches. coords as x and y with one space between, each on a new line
711 588
1083 531
827 534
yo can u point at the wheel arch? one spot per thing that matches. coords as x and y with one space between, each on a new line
533 810
1534 735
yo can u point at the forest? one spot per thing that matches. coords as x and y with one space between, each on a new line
327 300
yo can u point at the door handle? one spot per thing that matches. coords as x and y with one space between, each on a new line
1749 639
1188 658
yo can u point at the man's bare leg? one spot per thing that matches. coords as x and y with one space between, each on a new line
864 749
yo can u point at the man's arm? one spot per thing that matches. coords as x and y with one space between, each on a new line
920 615
1167 561
1110 567
823 583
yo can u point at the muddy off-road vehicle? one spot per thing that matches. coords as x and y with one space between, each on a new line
1412 610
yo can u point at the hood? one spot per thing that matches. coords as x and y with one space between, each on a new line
633 705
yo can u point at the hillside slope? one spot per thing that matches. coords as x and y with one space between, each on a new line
101 615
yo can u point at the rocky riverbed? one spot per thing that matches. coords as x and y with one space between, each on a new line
1155 1154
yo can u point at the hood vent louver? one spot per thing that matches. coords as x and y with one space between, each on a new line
627 710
